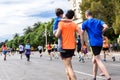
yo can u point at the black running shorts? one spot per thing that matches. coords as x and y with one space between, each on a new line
21 52
68 53
96 50
105 49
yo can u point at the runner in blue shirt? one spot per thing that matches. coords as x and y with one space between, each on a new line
95 28
27 51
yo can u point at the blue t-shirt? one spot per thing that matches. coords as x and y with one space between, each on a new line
27 46
55 24
94 30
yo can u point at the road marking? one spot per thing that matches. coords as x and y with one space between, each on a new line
87 74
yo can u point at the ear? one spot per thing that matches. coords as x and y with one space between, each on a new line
86 16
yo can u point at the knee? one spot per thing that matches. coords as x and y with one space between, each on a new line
93 61
67 73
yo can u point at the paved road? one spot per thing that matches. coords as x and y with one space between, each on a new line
44 69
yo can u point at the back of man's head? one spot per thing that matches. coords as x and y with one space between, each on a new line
70 14
59 12
88 12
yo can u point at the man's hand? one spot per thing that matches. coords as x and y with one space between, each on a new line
82 49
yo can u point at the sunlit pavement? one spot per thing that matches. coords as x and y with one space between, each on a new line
41 68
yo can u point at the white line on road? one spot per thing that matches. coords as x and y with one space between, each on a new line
87 74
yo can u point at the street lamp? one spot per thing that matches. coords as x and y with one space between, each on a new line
46 35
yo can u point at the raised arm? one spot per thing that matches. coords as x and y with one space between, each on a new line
105 27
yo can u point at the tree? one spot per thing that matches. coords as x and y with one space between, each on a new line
27 30
37 25
116 24
103 11
16 35
34 35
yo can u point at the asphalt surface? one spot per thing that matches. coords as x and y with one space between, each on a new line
42 68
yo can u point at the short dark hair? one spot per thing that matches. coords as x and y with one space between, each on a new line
88 12
59 11
70 14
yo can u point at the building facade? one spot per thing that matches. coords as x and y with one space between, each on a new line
74 5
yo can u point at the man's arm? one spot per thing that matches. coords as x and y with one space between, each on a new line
78 31
82 39
105 27
58 32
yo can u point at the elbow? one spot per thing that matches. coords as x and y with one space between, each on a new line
107 27
56 35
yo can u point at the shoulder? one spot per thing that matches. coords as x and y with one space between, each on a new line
61 23
99 20
74 23
85 22
57 19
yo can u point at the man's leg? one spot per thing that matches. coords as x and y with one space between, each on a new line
28 57
49 54
21 55
95 68
69 69
101 66
104 55
5 57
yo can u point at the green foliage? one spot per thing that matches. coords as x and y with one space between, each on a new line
106 10
116 24
35 35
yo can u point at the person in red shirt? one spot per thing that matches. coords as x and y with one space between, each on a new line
49 49
4 51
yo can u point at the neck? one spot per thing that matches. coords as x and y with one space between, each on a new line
89 17
66 20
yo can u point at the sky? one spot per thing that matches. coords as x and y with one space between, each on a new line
15 15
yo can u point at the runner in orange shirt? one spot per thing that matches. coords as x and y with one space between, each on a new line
49 49
105 46
67 29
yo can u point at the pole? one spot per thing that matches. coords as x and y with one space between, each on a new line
46 35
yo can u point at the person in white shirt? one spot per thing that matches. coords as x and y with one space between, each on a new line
40 50
21 50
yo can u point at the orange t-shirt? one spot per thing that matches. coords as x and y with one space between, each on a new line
49 47
68 30
84 46
105 43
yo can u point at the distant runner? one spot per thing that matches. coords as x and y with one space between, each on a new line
28 51
4 51
21 50
40 50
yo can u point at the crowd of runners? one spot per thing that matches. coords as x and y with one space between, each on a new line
69 43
